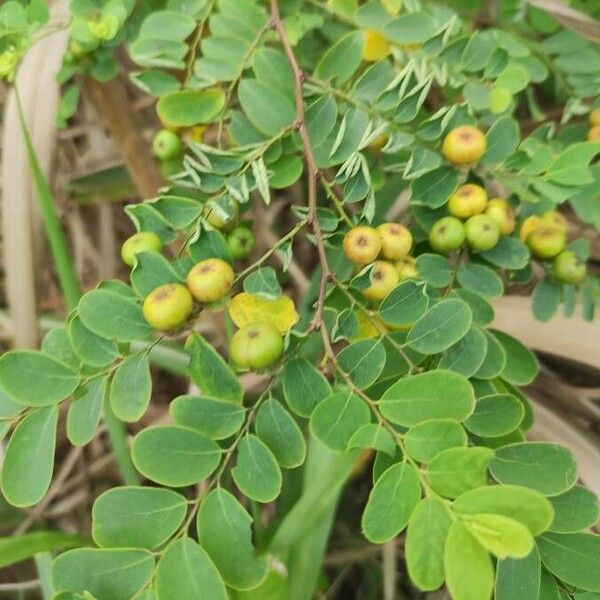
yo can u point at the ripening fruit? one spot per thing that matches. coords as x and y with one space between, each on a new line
593 134
482 232
396 240
528 225
502 213
166 145
464 145
139 242
468 200
407 268
256 346
447 235
210 280
168 306
241 242
376 46
546 241
569 268
553 218
217 217
594 117
384 278
362 245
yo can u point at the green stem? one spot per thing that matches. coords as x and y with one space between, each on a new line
58 245
43 564
118 441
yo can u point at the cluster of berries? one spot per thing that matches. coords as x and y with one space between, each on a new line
387 249
593 134
209 281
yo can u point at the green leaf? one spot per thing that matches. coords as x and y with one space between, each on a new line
425 541
480 279
337 418
342 60
286 171
404 304
303 386
278 430
426 440
363 361
571 166
519 503
545 300
29 458
434 188
85 411
272 67
373 436
174 456
440 327
502 140
574 511
57 345
225 532
152 270
495 415
495 359
391 503
216 419
186 571
34 379
210 372
502 536
14 549
89 347
521 364
431 395
154 82
210 244
115 574
136 517
320 119
548 468
412 28
573 557
256 472
131 388
434 269
265 106
467 566
458 470
263 282
508 253
467 355
186 108
113 316
518 578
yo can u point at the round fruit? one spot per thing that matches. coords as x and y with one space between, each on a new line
482 232
447 235
219 218
501 212
256 346
553 218
166 145
569 268
546 241
210 280
384 278
593 135
241 242
376 46
396 240
528 225
139 242
168 306
594 117
464 145
407 268
362 245
468 200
